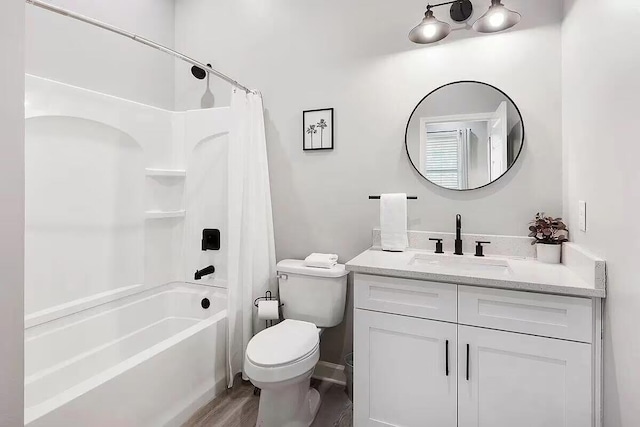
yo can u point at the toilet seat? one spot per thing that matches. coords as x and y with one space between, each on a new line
282 352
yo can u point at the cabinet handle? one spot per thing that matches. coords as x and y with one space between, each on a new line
467 362
446 357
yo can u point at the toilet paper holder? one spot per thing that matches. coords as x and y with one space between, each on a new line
268 296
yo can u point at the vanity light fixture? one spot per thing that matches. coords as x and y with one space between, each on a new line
432 30
496 19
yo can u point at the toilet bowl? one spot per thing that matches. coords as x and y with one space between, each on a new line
280 360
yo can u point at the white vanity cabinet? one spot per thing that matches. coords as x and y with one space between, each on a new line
406 371
521 380
437 354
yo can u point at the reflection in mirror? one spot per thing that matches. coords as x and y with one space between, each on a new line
464 135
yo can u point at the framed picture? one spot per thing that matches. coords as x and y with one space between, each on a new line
317 128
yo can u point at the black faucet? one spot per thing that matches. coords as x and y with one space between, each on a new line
458 244
204 272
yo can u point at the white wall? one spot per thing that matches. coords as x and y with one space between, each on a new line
12 212
76 53
601 65
355 56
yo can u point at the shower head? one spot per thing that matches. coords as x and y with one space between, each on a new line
207 100
198 72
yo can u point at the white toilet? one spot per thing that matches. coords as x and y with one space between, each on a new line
281 359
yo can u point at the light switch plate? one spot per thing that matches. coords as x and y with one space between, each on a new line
582 215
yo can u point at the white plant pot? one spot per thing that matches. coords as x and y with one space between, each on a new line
549 254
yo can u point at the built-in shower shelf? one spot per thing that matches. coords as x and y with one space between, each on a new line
176 173
165 214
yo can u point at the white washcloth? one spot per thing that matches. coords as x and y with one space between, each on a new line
321 260
393 222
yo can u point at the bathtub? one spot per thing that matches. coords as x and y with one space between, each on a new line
150 359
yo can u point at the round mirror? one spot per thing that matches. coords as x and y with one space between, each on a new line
464 135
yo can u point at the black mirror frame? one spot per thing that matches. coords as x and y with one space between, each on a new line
406 135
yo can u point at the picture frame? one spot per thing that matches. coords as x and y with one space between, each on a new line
317 129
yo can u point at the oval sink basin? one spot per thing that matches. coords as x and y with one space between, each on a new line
462 263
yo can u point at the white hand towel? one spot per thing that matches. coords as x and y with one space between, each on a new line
321 260
393 222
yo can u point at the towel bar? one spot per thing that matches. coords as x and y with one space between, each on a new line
378 197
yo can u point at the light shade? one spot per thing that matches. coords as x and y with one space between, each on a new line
430 30
496 19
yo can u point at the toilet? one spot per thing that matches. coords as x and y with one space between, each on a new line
280 360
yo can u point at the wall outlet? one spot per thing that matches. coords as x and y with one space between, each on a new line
582 215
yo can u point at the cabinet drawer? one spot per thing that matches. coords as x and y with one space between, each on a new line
530 313
418 298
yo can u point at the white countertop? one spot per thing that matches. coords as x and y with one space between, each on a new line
525 274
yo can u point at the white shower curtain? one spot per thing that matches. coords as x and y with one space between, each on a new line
252 258
464 139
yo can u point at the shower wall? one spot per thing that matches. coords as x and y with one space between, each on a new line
206 136
12 213
117 194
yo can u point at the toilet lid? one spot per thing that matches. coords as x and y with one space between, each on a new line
284 343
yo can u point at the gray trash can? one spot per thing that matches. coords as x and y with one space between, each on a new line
348 371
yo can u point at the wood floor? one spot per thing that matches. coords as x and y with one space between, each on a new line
238 407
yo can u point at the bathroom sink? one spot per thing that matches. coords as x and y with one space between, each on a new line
466 264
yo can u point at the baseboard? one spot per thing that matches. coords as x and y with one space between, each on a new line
330 372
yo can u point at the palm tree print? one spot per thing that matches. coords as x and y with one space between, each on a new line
322 124
311 130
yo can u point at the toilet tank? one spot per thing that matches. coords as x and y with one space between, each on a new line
316 295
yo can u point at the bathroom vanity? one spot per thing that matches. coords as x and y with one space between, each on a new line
444 340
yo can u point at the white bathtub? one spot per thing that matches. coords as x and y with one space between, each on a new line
149 359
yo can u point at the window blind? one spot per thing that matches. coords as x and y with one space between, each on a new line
442 158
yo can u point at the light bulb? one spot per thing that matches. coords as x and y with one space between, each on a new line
429 31
497 19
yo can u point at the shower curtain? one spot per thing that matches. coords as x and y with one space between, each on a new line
464 157
252 258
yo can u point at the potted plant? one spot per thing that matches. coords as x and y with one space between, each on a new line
549 233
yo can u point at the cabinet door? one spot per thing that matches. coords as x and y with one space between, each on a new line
507 379
400 371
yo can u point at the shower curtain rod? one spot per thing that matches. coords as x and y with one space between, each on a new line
136 38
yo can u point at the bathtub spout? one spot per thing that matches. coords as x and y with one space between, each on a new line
204 272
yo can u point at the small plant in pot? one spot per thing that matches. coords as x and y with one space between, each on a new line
549 234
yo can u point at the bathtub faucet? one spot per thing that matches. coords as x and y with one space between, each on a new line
204 272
